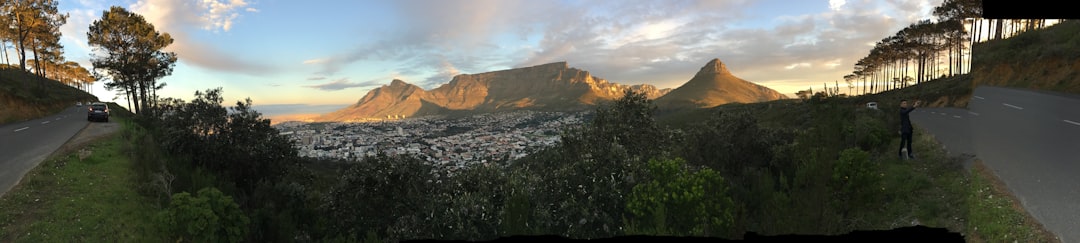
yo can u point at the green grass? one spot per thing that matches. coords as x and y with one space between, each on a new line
936 191
929 190
66 199
995 216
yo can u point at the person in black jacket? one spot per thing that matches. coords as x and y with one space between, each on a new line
905 128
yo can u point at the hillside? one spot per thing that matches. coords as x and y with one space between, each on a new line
1043 59
714 85
553 86
25 96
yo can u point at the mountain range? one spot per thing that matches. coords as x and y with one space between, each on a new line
553 87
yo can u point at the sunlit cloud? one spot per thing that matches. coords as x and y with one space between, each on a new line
178 18
797 65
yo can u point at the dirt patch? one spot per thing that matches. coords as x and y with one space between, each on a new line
93 132
999 186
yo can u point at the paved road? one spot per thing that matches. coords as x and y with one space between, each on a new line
1030 139
24 145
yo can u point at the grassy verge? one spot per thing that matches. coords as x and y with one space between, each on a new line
929 190
934 190
87 195
995 215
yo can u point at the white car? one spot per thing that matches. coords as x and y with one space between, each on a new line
78 103
872 105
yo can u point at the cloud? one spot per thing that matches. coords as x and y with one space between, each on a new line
253 10
835 5
314 61
343 83
639 41
78 23
316 78
181 18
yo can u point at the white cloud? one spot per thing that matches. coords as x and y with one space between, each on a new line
220 14
835 5
179 18
639 41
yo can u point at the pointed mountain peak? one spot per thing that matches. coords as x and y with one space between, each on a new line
398 82
714 67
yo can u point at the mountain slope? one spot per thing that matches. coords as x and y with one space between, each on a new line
552 86
714 85
25 96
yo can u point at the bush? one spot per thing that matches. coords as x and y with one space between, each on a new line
857 180
210 216
679 202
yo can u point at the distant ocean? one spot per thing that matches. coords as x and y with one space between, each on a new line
289 109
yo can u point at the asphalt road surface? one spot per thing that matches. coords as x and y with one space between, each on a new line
25 144
1031 141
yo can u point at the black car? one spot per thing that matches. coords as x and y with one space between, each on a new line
98 111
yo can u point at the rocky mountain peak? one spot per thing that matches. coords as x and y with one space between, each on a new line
715 66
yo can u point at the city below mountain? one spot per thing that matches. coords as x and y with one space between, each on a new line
547 87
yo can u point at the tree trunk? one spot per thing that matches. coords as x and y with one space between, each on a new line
3 51
999 29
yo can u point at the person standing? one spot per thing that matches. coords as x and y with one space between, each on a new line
905 128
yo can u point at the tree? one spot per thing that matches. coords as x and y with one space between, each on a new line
128 50
33 24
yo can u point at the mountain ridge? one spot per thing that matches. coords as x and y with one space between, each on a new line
552 86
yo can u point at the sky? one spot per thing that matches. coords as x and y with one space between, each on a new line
319 53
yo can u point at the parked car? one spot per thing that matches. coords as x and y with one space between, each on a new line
872 105
98 112
78 103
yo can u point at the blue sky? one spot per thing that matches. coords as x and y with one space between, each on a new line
332 52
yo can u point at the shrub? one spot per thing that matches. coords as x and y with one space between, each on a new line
857 179
677 201
210 216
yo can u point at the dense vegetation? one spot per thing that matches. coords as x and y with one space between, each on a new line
1039 60
820 172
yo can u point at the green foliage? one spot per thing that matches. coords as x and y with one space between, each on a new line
857 179
390 195
579 188
517 214
868 130
679 202
240 145
130 54
209 216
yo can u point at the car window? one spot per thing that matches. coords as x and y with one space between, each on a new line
99 107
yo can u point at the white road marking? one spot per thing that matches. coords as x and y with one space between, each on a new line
956 116
1013 106
45 122
57 118
1072 122
973 113
20 129
979 97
